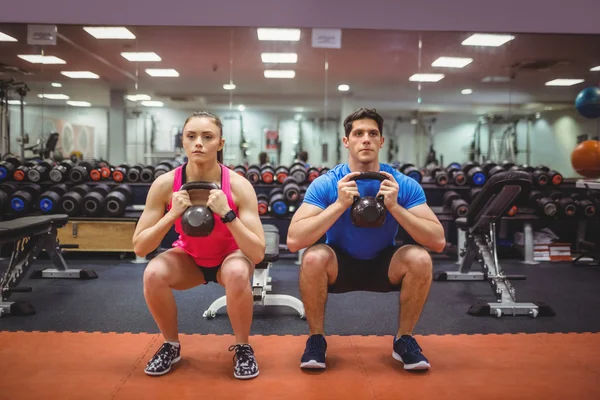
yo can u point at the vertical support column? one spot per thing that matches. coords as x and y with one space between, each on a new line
528 240
460 242
117 129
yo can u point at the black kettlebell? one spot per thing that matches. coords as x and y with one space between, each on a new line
368 212
198 221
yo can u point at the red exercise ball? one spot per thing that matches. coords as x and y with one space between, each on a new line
585 159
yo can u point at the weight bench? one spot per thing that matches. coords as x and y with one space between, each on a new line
261 281
496 198
589 254
30 236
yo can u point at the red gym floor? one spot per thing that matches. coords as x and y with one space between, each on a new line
87 366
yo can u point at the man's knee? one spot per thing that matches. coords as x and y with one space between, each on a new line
316 259
419 261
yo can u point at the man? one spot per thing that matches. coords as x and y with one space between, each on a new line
355 258
227 256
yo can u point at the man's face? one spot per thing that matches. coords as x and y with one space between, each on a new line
364 141
201 139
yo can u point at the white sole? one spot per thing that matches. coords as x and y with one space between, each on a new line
312 364
175 361
246 376
421 365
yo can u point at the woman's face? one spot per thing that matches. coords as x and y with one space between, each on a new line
201 139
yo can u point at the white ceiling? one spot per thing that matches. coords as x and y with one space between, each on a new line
376 64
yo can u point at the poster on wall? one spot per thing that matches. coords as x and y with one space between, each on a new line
272 138
73 137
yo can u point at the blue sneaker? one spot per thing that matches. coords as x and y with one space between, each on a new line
314 353
408 352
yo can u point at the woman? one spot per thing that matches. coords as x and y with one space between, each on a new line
227 256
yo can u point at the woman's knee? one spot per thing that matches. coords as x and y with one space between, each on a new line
156 273
316 259
236 273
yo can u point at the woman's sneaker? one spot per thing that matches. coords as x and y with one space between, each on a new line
314 353
245 365
162 360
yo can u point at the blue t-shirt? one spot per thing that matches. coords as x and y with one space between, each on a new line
362 243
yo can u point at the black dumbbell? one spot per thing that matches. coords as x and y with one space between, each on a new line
20 173
507 165
133 174
323 171
291 190
543 204
240 170
147 174
495 170
439 176
6 190
263 204
540 178
565 205
60 172
253 174
8 167
528 168
120 173
162 168
281 173
587 207
40 172
313 173
72 201
487 166
80 172
267 174
453 201
23 199
475 174
410 171
116 201
298 171
277 204
473 194
456 175
303 189
93 202
555 178
49 201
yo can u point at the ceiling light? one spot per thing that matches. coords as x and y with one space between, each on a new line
229 86
53 96
141 56
79 103
5 38
548 108
496 79
283 58
16 102
486 39
80 74
164 73
452 62
241 107
467 91
564 82
278 34
595 68
343 88
109 32
426 77
299 109
152 103
280 73
138 97
39 59
56 84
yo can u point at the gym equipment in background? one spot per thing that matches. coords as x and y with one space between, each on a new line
585 159
587 102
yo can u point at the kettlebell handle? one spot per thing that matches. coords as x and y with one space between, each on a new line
199 186
369 175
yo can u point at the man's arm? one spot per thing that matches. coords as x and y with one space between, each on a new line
247 230
310 223
422 225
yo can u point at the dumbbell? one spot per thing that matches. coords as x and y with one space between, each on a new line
473 194
410 171
439 176
8 167
163 167
267 174
240 170
453 201
555 178
93 202
133 174
22 200
540 177
565 205
474 173
147 174
277 204
116 201
456 176
50 199
20 173
323 171
60 172
528 168
263 204
544 204
303 190
80 172
507 165
313 173
72 201
40 172
253 174
455 165
281 173
587 207
6 190
101 170
120 173
487 166
291 190
495 170
298 171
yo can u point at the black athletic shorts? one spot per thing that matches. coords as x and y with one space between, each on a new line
363 275
210 273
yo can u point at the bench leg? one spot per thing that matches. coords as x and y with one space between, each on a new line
216 305
468 255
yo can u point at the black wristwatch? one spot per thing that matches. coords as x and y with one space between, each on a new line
230 216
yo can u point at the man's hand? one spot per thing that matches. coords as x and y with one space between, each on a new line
347 190
389 191
180 201
217 202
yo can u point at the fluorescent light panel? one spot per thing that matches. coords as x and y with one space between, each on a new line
241 107
564 82
280 74
496 79
56 84
229 86
486 39
343 88
452 62
278 34
79 103
595 68
467 91
141 56
426 77
39 59
138 97
164 73
51 96
279 58
80 74
152 103
6 38
16 102
109 32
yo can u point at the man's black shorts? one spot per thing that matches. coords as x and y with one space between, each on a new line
363 275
